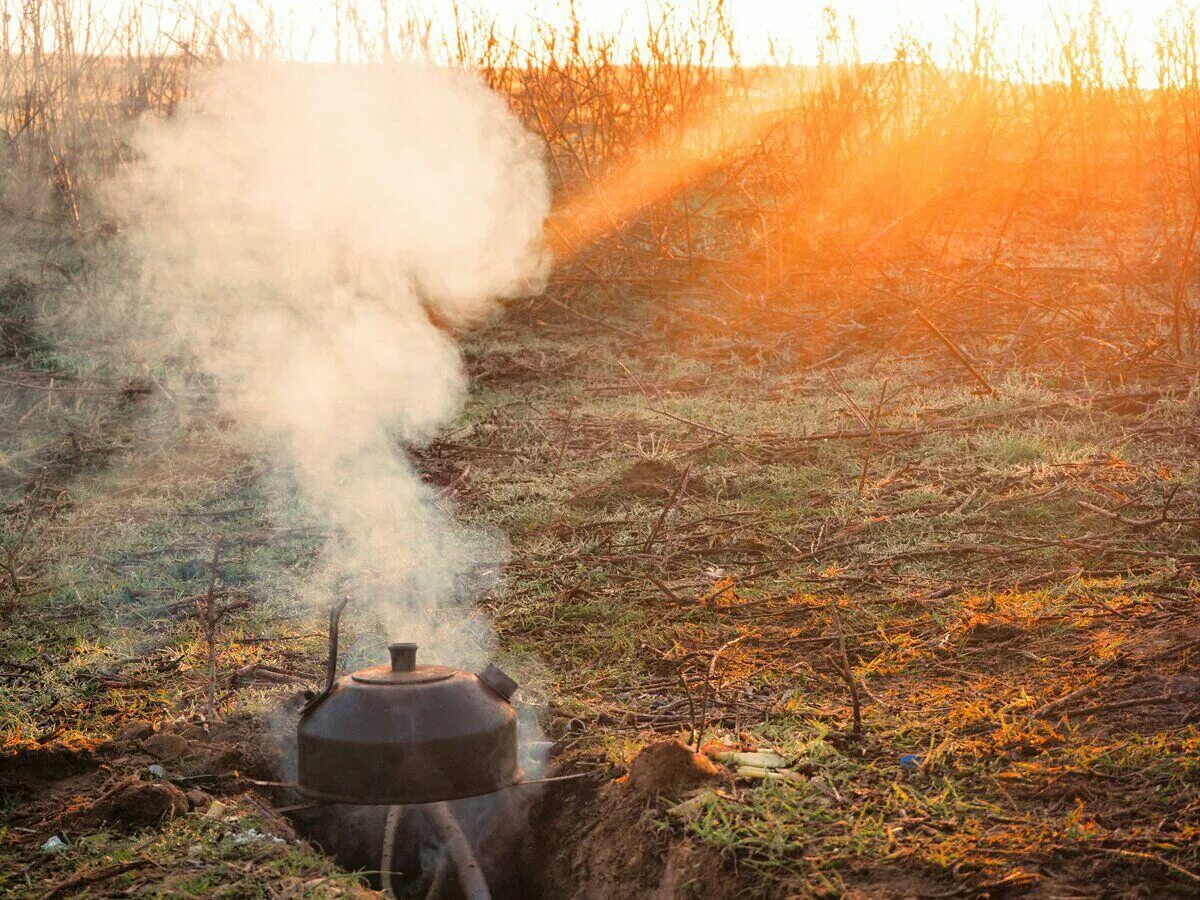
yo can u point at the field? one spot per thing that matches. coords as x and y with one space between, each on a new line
857 422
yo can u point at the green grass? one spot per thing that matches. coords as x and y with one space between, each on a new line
191 856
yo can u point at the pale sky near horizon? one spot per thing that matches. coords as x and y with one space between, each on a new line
1026 25
793 26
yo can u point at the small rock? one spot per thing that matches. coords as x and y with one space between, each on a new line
197 799
135 730
166 746
54 845
218 759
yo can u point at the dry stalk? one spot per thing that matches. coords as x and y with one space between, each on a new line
842 666
709 690
680 487
209 616
871 441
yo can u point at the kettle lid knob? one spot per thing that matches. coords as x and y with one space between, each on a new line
404 657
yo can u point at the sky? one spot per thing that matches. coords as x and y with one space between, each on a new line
796 24
792 27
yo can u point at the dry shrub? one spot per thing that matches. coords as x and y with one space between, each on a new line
877 185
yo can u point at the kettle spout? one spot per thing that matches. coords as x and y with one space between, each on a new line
495 678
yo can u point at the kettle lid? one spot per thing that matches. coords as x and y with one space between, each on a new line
403 669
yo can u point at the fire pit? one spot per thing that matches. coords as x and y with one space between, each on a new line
405 734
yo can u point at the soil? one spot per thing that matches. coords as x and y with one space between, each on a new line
600 841
591 837
62 791
587 837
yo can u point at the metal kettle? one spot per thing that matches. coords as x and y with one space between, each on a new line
407 733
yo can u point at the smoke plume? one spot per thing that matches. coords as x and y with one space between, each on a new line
303 228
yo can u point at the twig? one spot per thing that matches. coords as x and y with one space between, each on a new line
844 394
1151 857
1124 704
870 449
1078 694
712 668
687 693
953 348
208 618
680 487
458 850
709 428
844 669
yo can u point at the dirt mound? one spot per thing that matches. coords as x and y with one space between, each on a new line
656 479
137 780
649 479
984 629
574 839
670 769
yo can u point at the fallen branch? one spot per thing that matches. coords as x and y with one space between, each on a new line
1156 700
94 876
1152 857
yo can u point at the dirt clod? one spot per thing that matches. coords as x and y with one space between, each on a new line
135 730
670 769
140 804
166 747
198 799
192 732
654 479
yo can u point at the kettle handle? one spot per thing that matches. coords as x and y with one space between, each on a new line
331 664
335 615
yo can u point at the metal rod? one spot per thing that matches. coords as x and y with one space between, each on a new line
394 815
458 850
438 883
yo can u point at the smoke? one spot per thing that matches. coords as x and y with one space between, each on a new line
302 228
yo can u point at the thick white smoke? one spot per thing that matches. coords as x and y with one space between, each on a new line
299 223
